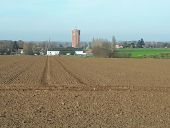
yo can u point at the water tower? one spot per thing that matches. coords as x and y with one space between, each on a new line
75 38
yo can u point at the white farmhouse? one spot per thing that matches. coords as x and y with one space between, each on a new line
53 53
20 51
118 46
79 53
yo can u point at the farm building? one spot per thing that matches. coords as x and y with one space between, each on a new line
53 53
80 53
118 46
21 51
66 51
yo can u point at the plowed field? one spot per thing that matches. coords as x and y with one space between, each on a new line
54 92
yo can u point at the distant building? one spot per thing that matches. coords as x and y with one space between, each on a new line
63 51
81 53
21 51
118 46
75 38
53 53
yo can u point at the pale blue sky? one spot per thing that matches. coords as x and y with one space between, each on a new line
126 19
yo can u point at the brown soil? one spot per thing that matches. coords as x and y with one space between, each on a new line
54 92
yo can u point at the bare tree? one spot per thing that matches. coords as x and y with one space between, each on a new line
28 49
113 43
101 48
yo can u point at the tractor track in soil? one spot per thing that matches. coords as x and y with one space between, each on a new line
45 75
79 81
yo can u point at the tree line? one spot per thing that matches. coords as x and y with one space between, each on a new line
105 48
99 47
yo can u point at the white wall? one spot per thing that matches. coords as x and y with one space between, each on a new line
53 53
80 53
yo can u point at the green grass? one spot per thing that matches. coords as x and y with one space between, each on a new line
145 52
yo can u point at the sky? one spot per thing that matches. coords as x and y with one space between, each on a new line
35 20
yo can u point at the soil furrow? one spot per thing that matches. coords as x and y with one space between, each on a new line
12 78
98 88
